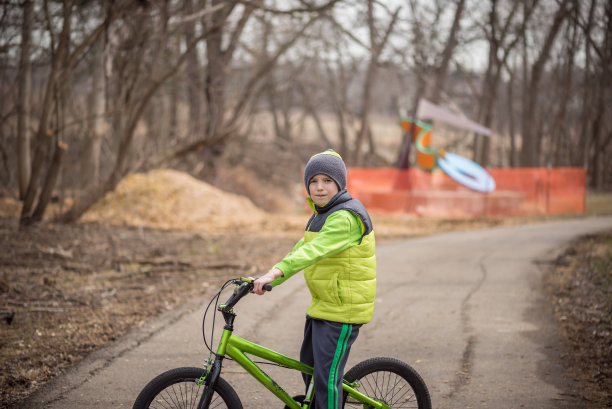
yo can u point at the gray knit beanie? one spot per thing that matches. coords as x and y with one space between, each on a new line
328 163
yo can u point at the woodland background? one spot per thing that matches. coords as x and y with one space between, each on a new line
92 91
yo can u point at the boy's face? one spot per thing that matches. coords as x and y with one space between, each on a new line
322 189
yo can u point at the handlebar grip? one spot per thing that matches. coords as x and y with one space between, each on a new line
267 287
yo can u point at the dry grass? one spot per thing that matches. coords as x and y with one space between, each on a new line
580 289
599 204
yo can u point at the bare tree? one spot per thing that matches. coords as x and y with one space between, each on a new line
218 59
531 139
226 124
193 78
564 86
339 69
601 123
377 42
90 162
44 133
432 51
447 53
23 99
50 124
501 39
308 97
338 92
134 89
588 88
145 64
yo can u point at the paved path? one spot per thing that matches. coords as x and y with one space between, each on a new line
465 309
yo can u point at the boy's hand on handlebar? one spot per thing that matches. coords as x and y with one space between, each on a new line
265 279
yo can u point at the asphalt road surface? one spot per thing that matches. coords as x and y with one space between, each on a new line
465 309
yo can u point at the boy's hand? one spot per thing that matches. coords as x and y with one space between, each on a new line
265 279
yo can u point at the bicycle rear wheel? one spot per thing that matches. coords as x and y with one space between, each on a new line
177 389
388 380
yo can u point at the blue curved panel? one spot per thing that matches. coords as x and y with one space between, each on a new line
467 172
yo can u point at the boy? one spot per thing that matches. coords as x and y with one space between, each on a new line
337 256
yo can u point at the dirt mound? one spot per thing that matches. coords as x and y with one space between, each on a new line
264 193
169 199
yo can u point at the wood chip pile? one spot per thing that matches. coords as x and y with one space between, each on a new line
168 199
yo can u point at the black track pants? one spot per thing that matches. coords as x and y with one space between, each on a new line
326 346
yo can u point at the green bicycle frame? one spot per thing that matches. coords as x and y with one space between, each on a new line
237 348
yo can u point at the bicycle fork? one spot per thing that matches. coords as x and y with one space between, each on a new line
210 382
213 376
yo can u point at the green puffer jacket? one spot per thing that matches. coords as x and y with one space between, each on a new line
337 254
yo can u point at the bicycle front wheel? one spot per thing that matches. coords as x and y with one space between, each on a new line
388 380
177 389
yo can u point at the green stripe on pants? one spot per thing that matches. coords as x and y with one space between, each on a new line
332 388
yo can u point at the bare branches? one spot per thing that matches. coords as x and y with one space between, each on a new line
178 20
180 80
306 7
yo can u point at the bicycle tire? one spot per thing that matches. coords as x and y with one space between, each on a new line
177 389
389 380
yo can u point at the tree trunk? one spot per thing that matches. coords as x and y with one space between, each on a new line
511 120
447 53
497 33
310 108
487 99
214 86
376 47
587 95
559 127
366 101
531 139
601 133
342 132
193 80
43 134
50 181
90 163
174 99
158 109
336 90
23 100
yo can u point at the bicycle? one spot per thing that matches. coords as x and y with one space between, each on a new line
376 383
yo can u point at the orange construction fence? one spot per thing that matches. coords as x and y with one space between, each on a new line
519 192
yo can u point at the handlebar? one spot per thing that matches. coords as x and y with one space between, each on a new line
244 286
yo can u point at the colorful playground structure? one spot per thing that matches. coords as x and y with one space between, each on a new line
462 170
444 184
